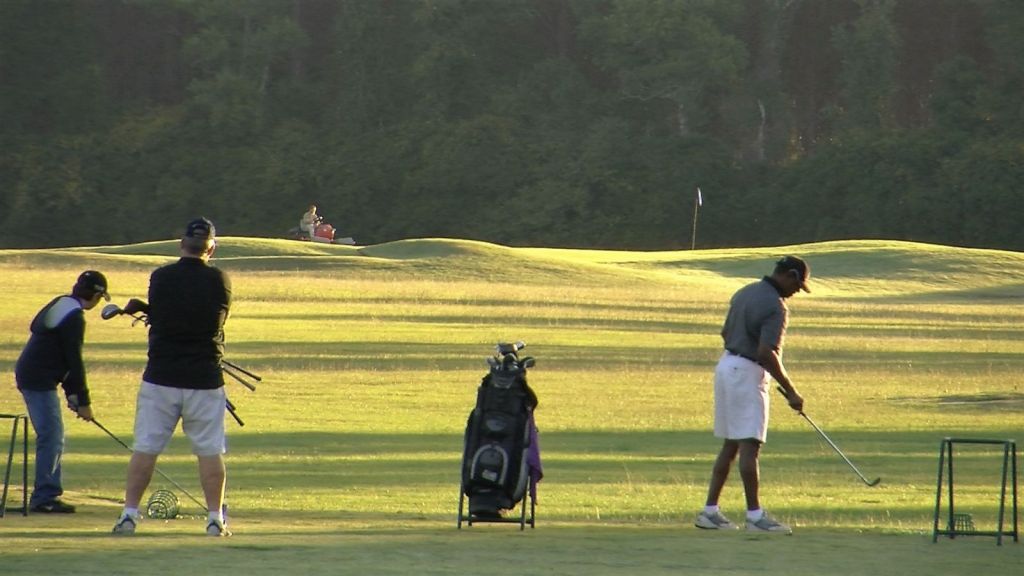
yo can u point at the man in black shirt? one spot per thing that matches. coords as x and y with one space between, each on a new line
188 304
52 356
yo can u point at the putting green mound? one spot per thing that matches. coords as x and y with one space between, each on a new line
843 269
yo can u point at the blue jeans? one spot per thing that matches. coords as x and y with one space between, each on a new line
44 412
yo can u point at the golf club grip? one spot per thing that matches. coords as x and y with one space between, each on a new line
242 370
231 410
786 396
224 368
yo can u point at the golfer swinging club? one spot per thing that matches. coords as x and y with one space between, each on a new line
188 304
753 335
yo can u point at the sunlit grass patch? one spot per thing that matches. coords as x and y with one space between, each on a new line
370 358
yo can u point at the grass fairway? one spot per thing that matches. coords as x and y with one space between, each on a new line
349 460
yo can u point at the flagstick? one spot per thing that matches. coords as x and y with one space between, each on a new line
696 205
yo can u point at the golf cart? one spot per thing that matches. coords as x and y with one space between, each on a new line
324 233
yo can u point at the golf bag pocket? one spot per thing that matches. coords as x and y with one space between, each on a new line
489 465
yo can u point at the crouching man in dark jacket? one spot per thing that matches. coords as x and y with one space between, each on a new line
52 357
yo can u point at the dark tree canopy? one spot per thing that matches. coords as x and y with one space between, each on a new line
581 123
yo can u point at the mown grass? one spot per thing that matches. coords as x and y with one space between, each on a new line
349 459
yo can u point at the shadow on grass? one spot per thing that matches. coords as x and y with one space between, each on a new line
294 463
392 356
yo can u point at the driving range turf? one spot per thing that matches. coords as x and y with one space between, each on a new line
348 462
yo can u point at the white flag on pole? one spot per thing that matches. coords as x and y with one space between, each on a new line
700 199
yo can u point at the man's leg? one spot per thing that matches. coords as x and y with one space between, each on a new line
212 475
140 472
711 518
44 411
720 471
750 471
757 519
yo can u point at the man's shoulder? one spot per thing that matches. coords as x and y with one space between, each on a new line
184 265
753 288
218 272
64 312
760 292
166 268
184 272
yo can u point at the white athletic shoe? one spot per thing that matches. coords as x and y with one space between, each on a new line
217 528
714 521
768 524
126 524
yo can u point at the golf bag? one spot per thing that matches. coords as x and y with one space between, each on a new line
501 456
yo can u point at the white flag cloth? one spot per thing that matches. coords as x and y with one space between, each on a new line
700 199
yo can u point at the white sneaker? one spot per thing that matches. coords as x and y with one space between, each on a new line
768 524
714 521
217 528
126 524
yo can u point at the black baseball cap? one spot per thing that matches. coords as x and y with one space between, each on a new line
92 282
797 265
200 228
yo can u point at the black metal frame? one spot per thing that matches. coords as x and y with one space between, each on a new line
522 520
23 419
946 467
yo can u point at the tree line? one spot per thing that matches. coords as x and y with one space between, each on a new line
577 123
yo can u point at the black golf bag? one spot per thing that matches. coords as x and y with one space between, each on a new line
501 457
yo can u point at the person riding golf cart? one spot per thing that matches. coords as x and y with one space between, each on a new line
309 222
312 227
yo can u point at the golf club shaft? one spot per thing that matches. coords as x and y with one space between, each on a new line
231 410
158 471
242 370
224 368
838 451
831 443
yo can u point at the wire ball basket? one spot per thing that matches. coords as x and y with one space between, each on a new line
162 505
962 523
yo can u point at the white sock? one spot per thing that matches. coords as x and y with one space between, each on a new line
755 515
214 516
709 510
133 512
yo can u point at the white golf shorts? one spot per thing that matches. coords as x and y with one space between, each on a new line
201 412
741 399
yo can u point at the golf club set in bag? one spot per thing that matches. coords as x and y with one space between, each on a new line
163 504
501 454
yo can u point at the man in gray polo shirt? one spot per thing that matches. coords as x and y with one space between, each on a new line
753 336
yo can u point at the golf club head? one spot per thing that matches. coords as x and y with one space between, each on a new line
875 481
110 310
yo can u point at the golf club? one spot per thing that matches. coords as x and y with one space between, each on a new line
236 372
832 444
242 370
111 310
158 471
239 379
231 410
